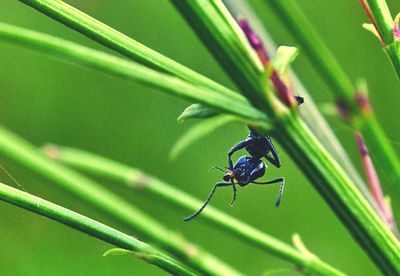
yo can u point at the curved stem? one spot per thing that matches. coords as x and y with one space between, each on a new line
92 228
22 152
137 180
111 38
341 194
114 65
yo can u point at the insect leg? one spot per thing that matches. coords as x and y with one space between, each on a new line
282 181
219 184
235 148
275 158
234 193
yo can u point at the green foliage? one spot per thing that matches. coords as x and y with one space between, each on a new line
259 108
91 227
324 172
341 87
133 178
88 190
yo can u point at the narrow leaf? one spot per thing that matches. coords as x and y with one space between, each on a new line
117 252
371 28
196 111
198 132
284 56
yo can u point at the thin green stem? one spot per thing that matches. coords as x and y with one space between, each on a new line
236 60
126 69
379 13
336 188
327 66
137 180
111 38
341 86
13 147
321 169
383 19
92 228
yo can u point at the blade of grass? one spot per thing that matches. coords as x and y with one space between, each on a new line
135 179
25 154
111 38
297 139
92 228
343 90
126 69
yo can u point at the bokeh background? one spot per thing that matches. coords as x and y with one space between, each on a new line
47 100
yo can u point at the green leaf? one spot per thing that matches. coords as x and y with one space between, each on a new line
197 111
118 252
198 132
371 28
284 56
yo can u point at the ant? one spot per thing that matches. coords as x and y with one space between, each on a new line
245 171
248 169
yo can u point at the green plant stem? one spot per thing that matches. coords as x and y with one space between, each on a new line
341 86
12 146
321 169
380 249
92 228
381 151
309 112
126 69
137 180
236 60
336 188
111 38
321 57
384 22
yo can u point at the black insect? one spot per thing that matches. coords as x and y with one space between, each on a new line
258 146
249 168
245 171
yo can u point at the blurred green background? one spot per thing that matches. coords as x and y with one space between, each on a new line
46 100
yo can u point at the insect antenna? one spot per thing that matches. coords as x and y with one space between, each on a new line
216 168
